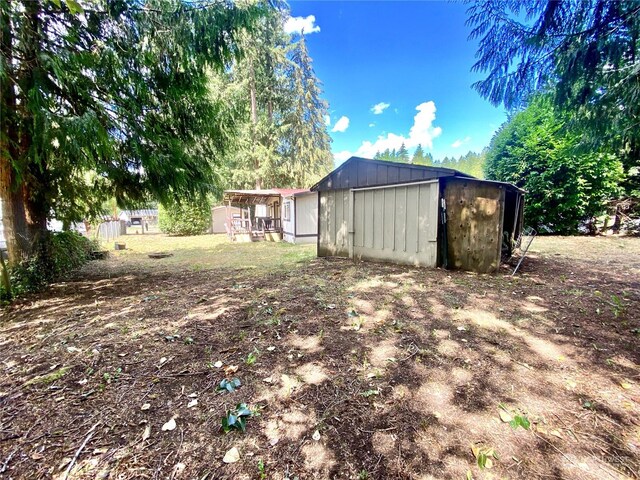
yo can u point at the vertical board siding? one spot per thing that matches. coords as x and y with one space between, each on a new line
397 224
333 223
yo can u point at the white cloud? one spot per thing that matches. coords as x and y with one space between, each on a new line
458 143
327 120
340 157
422 132
341 125
372 124
301 24
378 108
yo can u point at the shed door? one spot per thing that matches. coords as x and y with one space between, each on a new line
397 224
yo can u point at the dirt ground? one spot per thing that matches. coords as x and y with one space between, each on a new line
353 371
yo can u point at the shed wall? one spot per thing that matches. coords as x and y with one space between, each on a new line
219 218
475 212
333 240
398 224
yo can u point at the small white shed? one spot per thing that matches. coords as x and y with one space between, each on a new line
300 217
219 217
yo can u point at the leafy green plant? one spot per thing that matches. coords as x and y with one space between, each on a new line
369 393
55 255
185 218
484 455
252 357
108 377
262 470
514 418
363 475
520 421
228 385
236 419
617 306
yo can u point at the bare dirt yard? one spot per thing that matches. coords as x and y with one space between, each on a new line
349 371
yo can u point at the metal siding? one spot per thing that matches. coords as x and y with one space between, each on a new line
378 219
409 230
404 175
368 219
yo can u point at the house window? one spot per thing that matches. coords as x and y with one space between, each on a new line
287 211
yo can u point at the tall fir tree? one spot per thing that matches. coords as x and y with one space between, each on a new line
403 154
309 144
107 99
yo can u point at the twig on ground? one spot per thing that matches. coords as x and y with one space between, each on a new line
90 433
5 464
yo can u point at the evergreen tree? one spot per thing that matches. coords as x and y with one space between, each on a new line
534 151
278 110
418 156
585 52
403 154
107 100
308 141
428 159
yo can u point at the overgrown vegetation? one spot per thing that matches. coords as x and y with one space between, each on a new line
565 186
575 148
185 218
56 255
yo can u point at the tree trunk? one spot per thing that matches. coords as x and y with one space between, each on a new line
13 212
35 174
254 121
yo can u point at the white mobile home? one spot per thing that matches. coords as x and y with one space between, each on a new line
300 217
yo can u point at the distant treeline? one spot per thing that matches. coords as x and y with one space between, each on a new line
472 163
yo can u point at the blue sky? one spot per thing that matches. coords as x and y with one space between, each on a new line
412 56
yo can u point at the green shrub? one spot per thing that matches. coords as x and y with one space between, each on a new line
185 218
56 255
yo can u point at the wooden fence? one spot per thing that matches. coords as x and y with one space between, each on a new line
109 231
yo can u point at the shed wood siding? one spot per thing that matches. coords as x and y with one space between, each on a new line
475 212
398 224
333 222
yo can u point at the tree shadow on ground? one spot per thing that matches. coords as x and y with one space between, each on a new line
399 370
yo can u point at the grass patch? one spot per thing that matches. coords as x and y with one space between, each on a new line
49 377
206 252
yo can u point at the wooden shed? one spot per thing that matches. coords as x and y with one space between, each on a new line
417 215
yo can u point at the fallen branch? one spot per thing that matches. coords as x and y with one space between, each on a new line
7 460
90 433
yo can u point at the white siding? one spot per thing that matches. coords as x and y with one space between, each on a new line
219 218
302 226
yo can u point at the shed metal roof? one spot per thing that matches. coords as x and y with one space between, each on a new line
363 172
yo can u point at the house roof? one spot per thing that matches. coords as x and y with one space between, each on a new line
257 197
364 172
